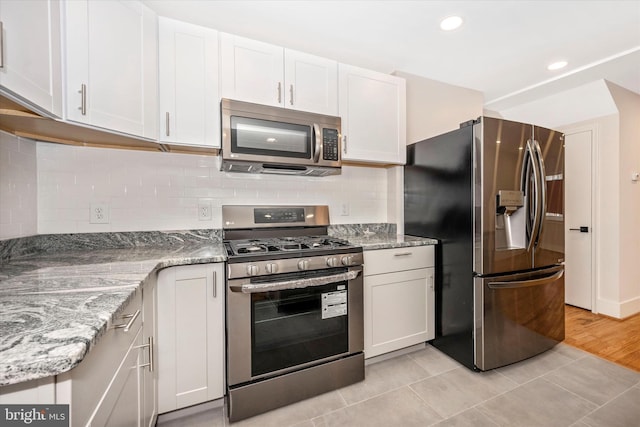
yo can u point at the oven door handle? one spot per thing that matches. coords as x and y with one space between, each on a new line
252 288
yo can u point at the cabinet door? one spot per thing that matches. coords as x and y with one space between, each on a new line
311 83
148 392
30 52
395 311
251 71
111 71
119 405
373 110
189 101
190 335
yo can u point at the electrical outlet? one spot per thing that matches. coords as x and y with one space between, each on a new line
344 209
99 213
204 212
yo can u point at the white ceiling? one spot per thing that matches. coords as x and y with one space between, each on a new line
502 49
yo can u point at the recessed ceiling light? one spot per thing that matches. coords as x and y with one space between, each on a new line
557 65
450 23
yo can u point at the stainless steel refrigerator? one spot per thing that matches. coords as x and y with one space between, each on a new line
491 192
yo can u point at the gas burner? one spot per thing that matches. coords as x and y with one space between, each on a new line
251 248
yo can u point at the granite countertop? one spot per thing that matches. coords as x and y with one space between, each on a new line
59 298
389 241
56 305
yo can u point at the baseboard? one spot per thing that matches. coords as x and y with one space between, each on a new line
618 310
191 410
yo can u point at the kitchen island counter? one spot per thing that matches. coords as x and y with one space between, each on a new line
56 303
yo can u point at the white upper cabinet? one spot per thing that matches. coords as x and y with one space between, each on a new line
266 74
311 83
30 53
373 111
111 66
188 75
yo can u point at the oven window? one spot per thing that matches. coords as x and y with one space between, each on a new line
270 138
289 327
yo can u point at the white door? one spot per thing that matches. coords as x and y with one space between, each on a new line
31 52
311 83
111 66
189 102
251 70
578 194
372 107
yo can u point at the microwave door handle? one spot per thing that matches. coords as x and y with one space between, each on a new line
317 145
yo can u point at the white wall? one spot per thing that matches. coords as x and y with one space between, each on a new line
434 107
161 191
18 187
629 133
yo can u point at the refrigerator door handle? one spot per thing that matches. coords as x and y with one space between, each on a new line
533 167
542 190
526 283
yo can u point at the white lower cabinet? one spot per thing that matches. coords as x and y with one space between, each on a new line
105 388
115 383
190 335
398 298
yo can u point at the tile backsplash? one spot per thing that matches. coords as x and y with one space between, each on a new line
162 191
18 187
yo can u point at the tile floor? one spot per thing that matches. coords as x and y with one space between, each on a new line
562 387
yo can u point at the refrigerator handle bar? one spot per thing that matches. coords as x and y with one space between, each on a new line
536 199
542 191
526 283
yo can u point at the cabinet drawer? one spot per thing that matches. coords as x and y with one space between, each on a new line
398 259
93 375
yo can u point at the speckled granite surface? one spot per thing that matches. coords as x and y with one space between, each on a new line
55 305
58 293
377 236
389 241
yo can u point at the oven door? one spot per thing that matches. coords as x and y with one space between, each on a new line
290 321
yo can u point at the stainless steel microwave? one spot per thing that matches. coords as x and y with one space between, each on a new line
263 139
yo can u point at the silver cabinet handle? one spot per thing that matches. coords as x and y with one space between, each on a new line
1 46
279 92
132 318
344 144
215 285
83 99
167 123
291 94
403 254
150 346
430 281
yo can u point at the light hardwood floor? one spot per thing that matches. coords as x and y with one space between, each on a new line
611 339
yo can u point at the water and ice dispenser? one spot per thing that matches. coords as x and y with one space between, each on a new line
510 220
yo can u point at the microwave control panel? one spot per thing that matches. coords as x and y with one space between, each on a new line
330 144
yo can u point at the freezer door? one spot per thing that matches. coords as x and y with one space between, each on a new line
517 316
503 195
549 243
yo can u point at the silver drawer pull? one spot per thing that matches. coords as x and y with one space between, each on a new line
150 346
403 254
132 318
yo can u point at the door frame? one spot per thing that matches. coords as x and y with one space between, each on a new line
594 128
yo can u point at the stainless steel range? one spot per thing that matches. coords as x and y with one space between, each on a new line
294 307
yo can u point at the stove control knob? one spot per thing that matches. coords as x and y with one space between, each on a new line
347 260
332 261
271 268
252 270
303 264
